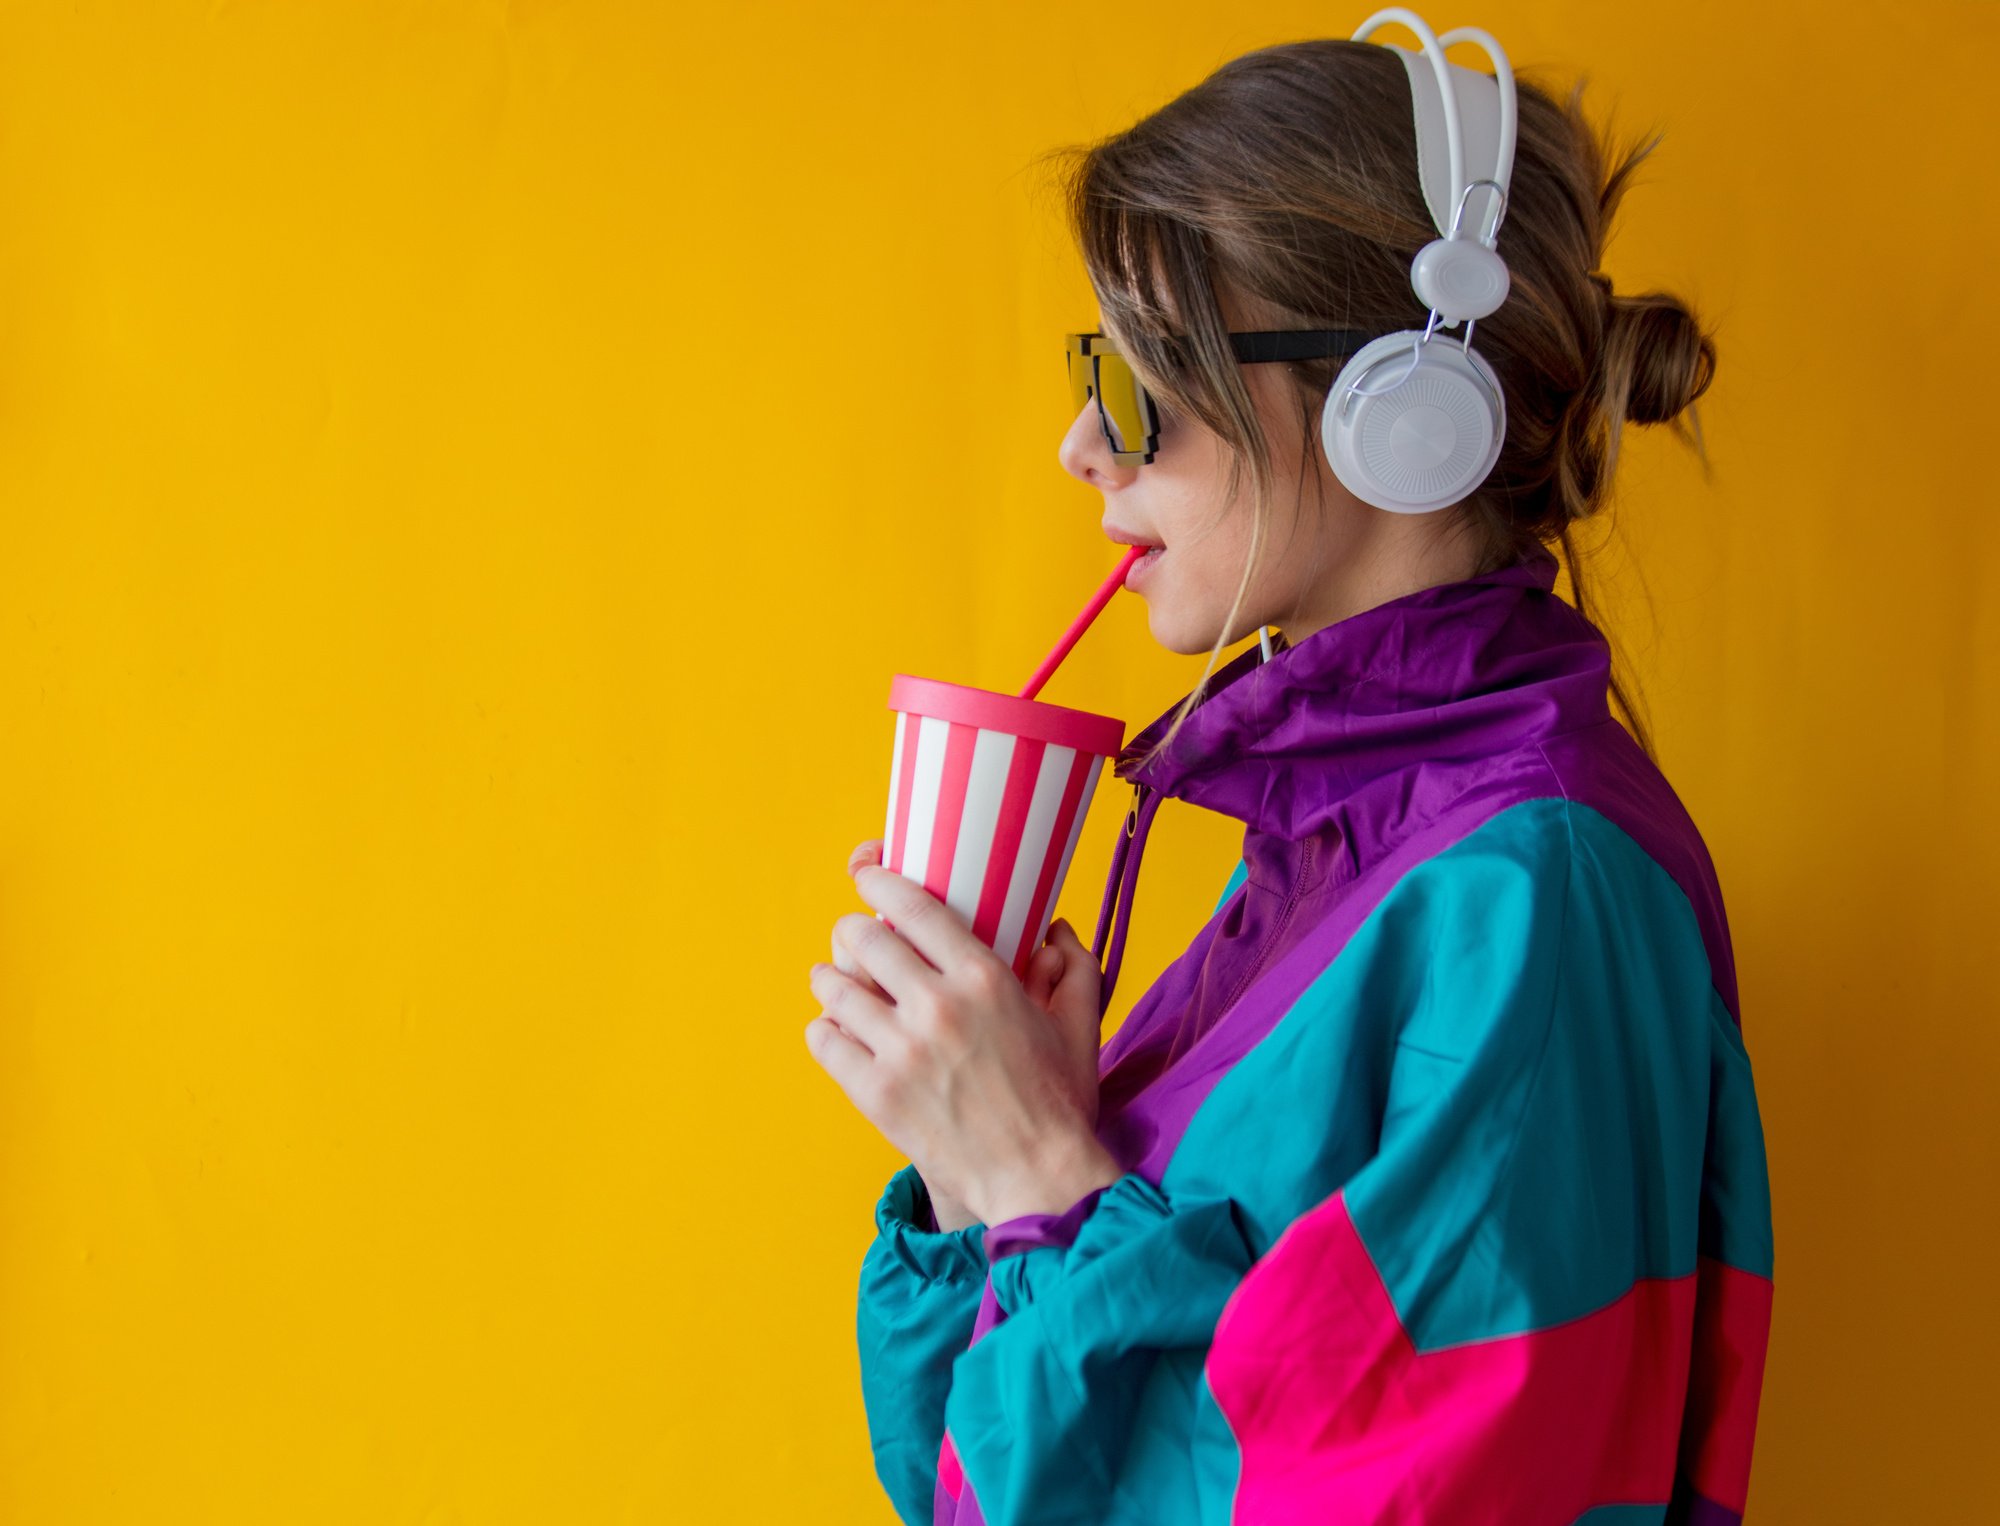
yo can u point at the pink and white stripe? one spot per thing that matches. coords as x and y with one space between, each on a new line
987 822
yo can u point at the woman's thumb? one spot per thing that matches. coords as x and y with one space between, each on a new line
1043 972
1076 989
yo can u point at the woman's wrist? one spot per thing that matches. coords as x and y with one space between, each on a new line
949 1214
1087 1168
952 1215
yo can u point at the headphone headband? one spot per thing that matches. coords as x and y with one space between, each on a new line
1465 119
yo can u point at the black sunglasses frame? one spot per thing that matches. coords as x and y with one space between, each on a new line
1252 347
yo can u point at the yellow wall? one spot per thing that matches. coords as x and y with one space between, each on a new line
467 475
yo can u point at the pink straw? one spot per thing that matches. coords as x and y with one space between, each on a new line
1082 622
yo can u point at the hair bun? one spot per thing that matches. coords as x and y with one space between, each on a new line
1655 355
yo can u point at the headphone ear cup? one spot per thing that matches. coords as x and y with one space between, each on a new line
1421 445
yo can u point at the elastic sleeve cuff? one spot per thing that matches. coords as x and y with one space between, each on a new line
1103 1218
902 1217
1035 1231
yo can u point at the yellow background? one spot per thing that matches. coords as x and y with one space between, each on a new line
467 475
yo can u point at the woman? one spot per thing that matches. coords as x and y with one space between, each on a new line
1428 1184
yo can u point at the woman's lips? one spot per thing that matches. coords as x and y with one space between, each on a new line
1144 565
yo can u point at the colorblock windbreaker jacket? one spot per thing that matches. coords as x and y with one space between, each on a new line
1445 1196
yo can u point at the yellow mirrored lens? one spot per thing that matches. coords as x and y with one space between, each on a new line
1124 412
1124 409
1079 382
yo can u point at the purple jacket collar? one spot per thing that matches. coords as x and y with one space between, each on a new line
1351 735
1459 670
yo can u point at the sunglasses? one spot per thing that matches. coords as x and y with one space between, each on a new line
1125 410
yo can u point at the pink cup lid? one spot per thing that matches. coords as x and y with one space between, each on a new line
1033 718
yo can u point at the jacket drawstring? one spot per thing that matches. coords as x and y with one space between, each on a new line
1120 886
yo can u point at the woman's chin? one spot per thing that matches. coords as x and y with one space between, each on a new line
1176 637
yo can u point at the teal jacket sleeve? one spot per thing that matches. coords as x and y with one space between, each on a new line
1041 1408
920 1292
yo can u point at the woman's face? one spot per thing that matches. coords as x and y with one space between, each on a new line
1174 502
1326 559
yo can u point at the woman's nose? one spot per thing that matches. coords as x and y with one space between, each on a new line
1085 453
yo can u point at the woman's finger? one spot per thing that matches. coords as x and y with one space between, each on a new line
1044 970
1074 994
862 1014
840 1056
884 952
920 920
848 965
1080 972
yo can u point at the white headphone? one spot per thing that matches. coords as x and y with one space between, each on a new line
1415 419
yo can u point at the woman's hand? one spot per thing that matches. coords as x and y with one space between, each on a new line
988 1084
949 1212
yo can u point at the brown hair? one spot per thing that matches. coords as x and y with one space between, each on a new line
1289 179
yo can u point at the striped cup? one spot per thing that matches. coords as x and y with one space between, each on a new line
987 794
